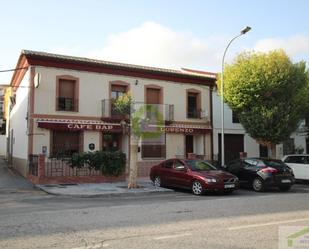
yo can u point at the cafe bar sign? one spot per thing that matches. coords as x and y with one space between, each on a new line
91 127
70 125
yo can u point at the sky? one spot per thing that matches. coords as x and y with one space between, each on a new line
160 33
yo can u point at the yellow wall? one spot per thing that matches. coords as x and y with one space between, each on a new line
7 94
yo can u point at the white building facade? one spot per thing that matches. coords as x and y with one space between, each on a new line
64 104
237 140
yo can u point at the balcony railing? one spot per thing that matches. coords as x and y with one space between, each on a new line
162 111
109 111
194 113
66 104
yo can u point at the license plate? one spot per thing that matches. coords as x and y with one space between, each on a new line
286 181
229 186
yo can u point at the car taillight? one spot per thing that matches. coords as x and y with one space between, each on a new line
269 170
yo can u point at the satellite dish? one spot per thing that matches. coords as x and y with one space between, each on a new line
37 79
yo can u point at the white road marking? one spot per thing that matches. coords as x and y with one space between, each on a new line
267 224
172 236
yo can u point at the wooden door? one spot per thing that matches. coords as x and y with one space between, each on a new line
189 144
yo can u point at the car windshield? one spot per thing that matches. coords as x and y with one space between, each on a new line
196 165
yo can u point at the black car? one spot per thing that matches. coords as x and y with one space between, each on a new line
261 173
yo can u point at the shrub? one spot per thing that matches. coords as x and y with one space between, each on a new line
110 163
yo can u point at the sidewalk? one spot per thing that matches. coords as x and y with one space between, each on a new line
100 189
11 181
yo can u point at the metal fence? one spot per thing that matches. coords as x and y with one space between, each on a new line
59 167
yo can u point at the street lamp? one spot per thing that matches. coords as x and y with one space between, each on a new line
242 32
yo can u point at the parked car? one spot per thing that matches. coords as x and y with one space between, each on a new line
197 175
299 164
261 173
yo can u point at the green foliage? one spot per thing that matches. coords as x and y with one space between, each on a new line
140 123
110 163
123 103
269 93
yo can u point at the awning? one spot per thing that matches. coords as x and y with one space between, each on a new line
77 125
93 125
179 128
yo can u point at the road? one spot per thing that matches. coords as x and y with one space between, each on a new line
244 219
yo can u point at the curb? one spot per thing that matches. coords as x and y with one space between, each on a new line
107 194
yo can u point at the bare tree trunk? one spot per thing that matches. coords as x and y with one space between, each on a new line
132 181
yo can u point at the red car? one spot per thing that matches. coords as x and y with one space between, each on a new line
197 175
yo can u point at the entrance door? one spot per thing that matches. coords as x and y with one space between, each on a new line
233 144
153 96
189 144
112 141
152 101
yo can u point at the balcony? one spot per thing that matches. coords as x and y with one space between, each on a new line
152 111
109 113
197 114
66 104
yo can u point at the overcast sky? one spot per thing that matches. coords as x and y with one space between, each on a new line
169 33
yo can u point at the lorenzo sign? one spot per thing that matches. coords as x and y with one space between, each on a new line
187 130
79 126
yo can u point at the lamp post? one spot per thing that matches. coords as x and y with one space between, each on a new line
242 32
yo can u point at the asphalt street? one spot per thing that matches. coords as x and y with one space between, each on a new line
30 218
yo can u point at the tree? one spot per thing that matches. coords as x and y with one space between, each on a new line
123 105
269 93
141 117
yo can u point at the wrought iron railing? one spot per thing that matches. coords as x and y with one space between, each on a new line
57 167
66 104
165 111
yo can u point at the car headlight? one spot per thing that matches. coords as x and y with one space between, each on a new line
208 180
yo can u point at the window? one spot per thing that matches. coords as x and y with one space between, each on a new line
153 103
295 159
168 164
193 104
195 165
180 166
235 117
116 92
65 143
67 93
234 166
154 147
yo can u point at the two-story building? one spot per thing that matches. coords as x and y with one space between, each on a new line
64 104
236 139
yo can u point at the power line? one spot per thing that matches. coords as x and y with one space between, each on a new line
14 69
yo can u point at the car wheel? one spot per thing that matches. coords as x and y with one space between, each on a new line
285 188
197 188
258 184
157 182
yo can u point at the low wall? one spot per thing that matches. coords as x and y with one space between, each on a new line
45 171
